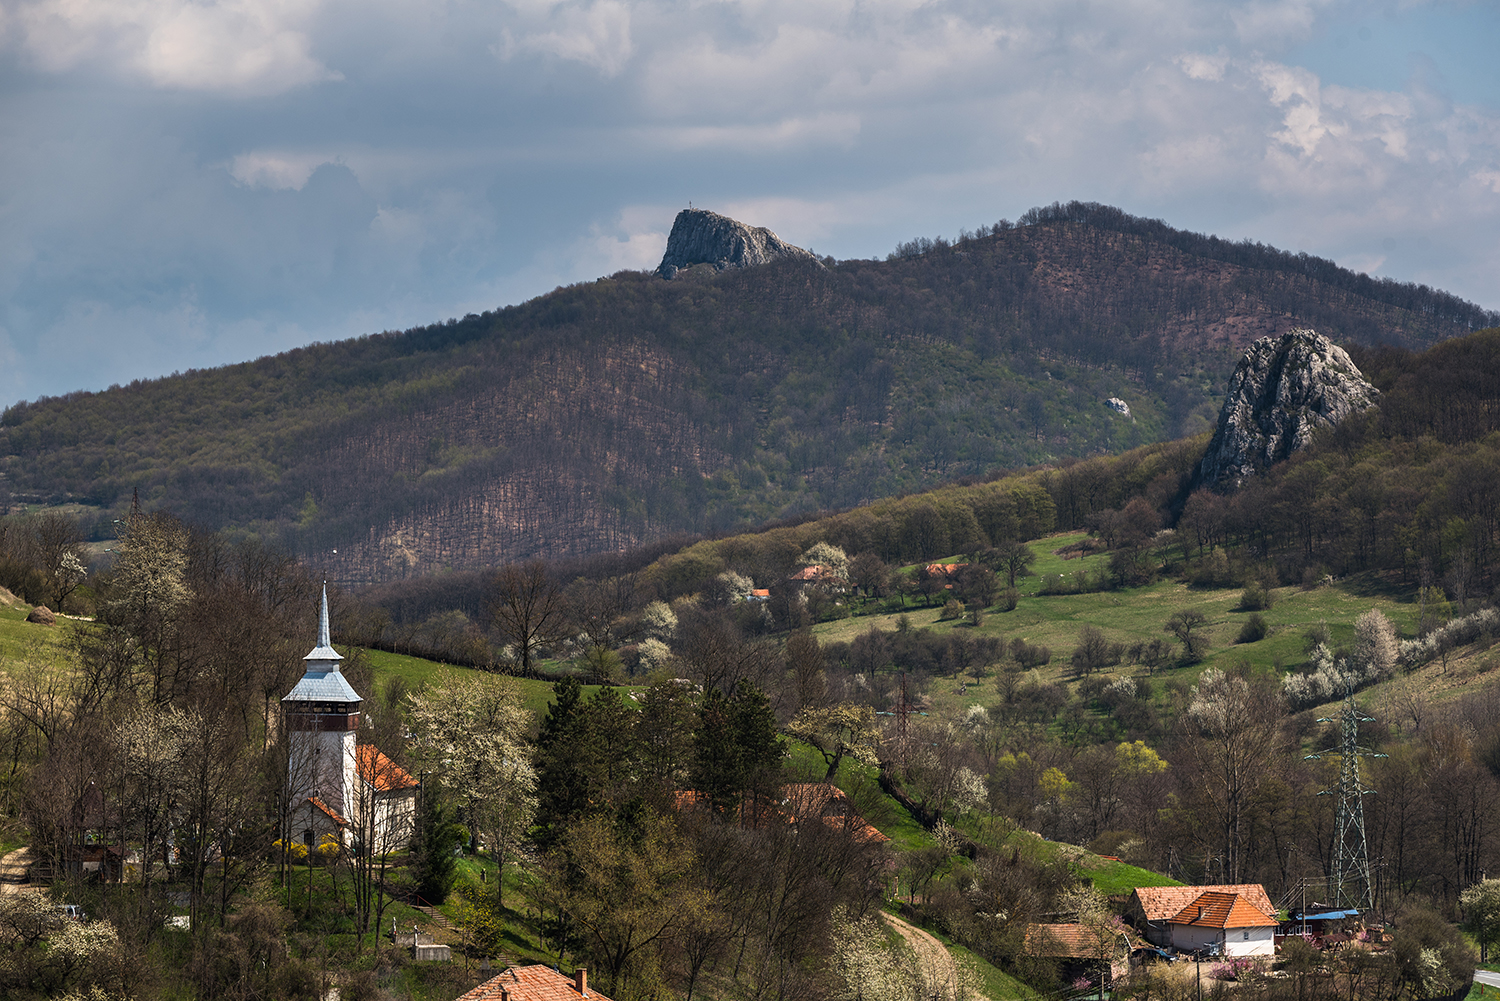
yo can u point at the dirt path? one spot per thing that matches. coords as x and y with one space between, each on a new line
939 970
15 871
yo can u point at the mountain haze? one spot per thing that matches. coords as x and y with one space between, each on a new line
612 413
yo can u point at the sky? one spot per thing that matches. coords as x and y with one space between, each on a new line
189 183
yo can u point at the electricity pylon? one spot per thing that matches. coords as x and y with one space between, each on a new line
1350 881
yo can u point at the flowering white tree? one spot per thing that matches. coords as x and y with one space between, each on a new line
474 733
1375 643
825 554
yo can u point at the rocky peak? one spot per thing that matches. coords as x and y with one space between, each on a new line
1283 390
703 237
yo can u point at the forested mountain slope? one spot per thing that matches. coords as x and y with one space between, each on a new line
609 414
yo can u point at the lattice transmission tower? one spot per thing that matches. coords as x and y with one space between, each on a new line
1350 882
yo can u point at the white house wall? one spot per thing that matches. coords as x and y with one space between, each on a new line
1250 942
322 764
1232 941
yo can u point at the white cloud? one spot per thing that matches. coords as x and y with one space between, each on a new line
1272 22
440 179
827 128
235 47
1204 67
277 171
597 35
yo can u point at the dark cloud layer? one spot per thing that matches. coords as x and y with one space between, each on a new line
186 184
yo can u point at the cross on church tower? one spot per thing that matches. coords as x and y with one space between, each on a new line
322 714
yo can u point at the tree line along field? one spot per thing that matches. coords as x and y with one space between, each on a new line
1139 615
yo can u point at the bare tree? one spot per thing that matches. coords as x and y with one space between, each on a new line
1239 724
528 609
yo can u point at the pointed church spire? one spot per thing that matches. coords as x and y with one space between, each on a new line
323 620
321 680
323 657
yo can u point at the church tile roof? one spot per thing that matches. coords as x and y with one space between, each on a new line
380 771
330 811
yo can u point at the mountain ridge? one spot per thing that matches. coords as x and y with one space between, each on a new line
610 413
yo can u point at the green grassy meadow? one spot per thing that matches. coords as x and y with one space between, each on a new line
1139 615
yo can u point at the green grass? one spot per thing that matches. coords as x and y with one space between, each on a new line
25 646
1139 615
417 673
994 983
1116 878
861 784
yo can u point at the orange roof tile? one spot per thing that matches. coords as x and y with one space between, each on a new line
332 813
1215 909
1162 902
381 772
530 983
858 828
1073 941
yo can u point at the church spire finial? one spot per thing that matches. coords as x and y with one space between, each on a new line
323 657
323 620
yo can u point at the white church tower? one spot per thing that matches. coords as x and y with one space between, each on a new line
322 713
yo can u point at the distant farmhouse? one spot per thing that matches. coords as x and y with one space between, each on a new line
340 788
1234 920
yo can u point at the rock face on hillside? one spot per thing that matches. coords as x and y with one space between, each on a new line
702 237
1283 390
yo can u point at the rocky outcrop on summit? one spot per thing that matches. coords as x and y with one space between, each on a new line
1283 390
702 237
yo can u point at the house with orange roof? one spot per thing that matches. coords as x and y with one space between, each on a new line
1081 950
1229 921
535 983
1151 907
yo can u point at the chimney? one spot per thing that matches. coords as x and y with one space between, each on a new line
504 994
581 981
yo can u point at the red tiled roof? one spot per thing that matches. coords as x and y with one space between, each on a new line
530 983
1073 941
815 572
858 828
332 813
809 796
1162 902
1215 909
761 592
381 772
949 569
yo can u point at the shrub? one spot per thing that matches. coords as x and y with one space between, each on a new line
952 609
1256 598
1029 656
1009 599
1254 629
